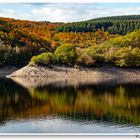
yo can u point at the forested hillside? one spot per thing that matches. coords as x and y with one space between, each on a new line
82 43
114 25
20 40
121 51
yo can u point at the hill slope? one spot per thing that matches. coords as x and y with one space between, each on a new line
20 40
114 25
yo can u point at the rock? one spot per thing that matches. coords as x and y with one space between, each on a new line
34 71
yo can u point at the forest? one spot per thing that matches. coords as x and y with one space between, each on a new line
110 40
114 25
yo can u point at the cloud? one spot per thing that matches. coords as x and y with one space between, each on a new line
66 12
13 14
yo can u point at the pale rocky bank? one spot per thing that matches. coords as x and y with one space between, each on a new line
32 76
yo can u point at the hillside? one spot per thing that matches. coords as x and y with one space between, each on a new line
20 40
121 51
90 42
114 25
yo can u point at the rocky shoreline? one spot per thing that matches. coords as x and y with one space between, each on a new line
62 71
33 76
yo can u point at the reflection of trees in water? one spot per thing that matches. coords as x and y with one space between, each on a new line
14 99
117 103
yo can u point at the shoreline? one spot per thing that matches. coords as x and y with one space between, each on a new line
59 71
7 70
34 76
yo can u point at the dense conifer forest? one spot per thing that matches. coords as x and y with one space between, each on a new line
114 25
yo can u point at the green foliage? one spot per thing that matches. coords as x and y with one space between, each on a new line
42 59
96 52
84 59
65 54
114 25
131 39
21 40
122 51
127 57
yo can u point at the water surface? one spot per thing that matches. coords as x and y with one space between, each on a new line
94 108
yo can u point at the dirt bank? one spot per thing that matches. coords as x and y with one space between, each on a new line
38 76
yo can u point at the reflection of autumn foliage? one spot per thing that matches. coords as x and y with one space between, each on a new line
109 105
116 104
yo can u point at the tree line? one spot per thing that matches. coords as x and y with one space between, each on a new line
114 25
21 40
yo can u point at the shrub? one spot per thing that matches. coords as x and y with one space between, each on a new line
96 53
54 45
42 59
83 58
109 54
122 57
127 57
65 54
131 39
136 56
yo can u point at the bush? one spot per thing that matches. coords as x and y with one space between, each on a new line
136 56
127 57
96 53
131 39
65 54
42 59
109 55
83 58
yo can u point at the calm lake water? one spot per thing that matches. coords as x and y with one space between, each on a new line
100 108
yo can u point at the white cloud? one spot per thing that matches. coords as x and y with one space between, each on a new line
67 12
13 14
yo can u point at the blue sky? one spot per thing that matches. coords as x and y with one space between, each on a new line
67 12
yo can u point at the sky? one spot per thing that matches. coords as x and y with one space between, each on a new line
59 12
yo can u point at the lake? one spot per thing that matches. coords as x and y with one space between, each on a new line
87 108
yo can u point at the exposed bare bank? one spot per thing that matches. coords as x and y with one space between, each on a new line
38 76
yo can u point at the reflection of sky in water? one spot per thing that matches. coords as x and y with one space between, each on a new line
59 125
